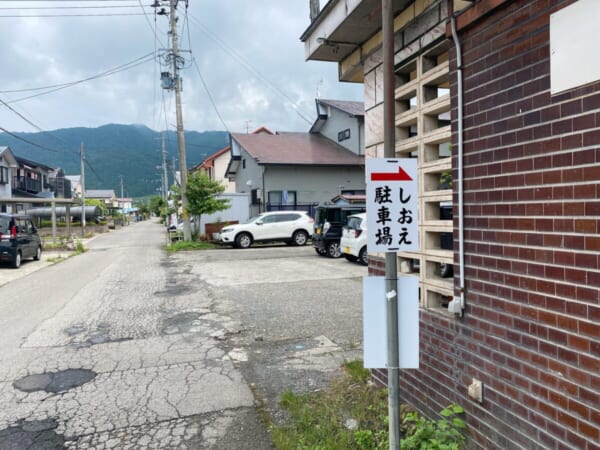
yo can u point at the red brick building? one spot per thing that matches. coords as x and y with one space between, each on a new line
530 331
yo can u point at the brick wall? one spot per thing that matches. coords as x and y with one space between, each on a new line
531 330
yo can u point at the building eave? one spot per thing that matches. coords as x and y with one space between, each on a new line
343 26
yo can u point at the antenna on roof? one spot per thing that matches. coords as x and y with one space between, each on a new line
248 122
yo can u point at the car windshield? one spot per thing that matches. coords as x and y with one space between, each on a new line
252 219
354 222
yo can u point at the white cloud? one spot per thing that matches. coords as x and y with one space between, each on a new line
249 55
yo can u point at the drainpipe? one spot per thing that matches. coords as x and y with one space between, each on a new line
264 191
457 305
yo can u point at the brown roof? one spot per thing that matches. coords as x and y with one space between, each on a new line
296 148
208 161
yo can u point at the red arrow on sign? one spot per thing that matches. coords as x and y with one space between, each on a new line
401 175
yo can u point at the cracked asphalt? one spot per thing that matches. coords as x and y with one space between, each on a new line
128 347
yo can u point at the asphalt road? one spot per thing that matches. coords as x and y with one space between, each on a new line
126 346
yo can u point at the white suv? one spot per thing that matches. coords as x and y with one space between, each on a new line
291 227
354 239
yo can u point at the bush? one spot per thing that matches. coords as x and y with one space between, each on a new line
442 434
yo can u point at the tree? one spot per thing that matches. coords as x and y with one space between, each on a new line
97 202
202 194
157 203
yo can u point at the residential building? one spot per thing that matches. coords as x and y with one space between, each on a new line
59 184
106 196
301 170
76 187
8 162
125 203
30 179
293 170
529 327
342 122
215 166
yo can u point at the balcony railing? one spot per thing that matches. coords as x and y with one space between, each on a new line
27 184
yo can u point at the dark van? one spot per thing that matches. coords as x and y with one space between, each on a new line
18 239
329 222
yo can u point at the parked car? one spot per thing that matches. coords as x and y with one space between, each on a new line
329 220
18 239
291 227
354 239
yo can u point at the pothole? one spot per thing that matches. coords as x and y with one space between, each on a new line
55 382
101 335
32 434
180 323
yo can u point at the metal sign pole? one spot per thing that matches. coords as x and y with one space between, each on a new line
391 272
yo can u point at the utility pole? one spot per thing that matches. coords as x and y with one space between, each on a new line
187 235
82 159
121 177
164 170
171 83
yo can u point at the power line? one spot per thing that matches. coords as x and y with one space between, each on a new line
195 63
50 89
12 16
65 7
235 55
33 143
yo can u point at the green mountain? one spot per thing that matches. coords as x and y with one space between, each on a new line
111 151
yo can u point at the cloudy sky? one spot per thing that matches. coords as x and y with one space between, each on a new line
244 55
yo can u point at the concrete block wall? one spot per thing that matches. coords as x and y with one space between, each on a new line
531 330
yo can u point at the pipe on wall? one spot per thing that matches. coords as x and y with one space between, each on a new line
457 305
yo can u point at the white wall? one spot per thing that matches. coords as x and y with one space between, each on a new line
339 121
314 184
239 210
220 167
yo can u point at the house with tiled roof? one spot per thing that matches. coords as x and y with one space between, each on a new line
217 165
107 196
295 170
214 167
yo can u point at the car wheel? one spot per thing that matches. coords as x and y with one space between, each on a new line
350 258
38 254
243 240
334 250
17 261
363 256
300 238
320 252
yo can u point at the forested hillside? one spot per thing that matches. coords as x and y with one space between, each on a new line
112 151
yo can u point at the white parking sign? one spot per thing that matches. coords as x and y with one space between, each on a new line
392 205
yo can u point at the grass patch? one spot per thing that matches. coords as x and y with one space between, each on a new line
350 414
67 243
191 245
56 259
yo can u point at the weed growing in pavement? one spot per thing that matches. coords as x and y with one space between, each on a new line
190 245
65 243
442 434
350 414
79 248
